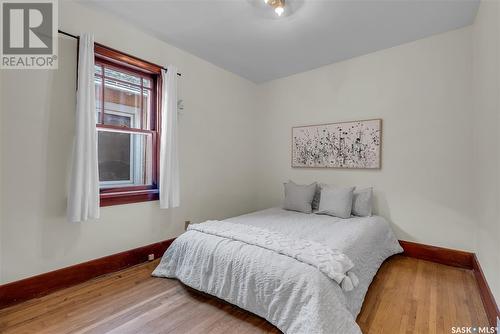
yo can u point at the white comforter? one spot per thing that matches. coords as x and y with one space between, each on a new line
292 295
330 262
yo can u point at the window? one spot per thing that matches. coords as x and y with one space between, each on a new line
127 106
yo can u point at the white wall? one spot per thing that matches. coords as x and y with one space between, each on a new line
487 145
216 145
422 91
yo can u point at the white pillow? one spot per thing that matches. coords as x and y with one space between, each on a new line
299 197
362 202
336 201
317 195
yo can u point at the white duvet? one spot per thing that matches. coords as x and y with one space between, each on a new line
292 295
331 262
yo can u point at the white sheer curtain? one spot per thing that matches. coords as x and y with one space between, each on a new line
169 163
83 195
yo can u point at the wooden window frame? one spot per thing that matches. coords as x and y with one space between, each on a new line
123 62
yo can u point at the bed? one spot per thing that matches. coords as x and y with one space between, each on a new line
293 295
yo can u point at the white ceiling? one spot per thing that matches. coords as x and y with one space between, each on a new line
246 37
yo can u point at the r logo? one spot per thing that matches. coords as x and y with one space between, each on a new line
27 28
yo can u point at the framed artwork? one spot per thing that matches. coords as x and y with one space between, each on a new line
338 145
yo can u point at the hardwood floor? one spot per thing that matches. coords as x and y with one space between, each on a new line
415 296
406 296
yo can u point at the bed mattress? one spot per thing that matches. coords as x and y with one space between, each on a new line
292 295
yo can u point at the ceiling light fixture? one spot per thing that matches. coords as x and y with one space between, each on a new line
278 5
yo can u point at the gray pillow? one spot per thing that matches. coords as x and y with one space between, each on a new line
299 197
362 202
336 201
317 195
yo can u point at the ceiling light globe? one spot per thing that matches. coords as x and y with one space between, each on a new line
279 10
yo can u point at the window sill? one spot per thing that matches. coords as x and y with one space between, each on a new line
120 198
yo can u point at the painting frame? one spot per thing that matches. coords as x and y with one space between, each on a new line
379 153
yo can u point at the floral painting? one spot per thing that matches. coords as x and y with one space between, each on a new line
338 145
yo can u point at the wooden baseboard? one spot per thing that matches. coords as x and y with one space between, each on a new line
461 259
489 302
43 284
450 257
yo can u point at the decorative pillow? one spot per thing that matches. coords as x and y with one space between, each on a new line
362 202
299 197
336 201
317 195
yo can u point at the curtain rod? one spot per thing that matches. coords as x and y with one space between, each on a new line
78 37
